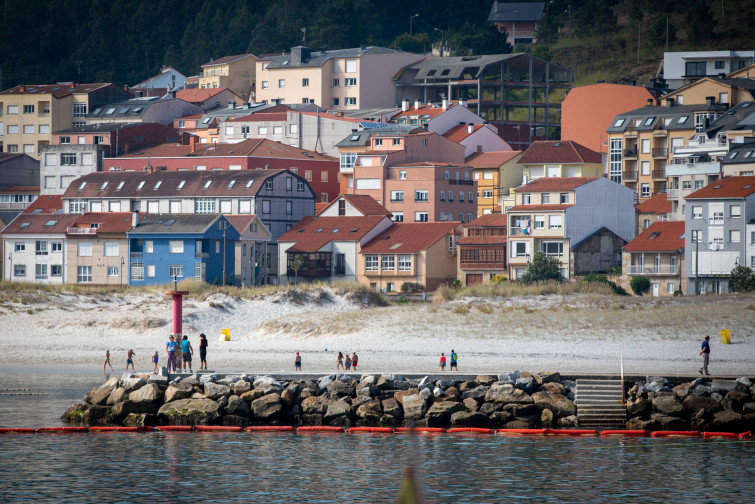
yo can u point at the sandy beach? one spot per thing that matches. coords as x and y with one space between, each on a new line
576 334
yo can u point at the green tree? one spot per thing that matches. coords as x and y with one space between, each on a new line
417 43
640 285
543 269
742 279
700 22
296 264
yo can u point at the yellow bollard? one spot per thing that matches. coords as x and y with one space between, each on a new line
226 335
725 336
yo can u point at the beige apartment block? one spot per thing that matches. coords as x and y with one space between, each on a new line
344 79
236 73
29 114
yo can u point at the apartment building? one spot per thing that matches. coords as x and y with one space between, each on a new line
716 223
168 79
517 19
236 73
657 253
482 249
29 114
684 67
342 79
210 98
496 174
559 158
641 142
740 161
555 215
142 110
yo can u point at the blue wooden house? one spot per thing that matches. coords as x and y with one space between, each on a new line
164 247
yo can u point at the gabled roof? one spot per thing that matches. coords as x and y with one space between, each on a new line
46 204
229 59
134 108
740 154
559 151
426 111
488 220
174 224
461 131
241 222
492 159
360 138
656 204
729 187
40 224
409 237
555 184
319 207
56 90
251 147
101 223
195 95
670 118
88 224
661 236
515 11
365 204
313 233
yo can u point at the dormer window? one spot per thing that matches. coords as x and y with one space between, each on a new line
157 185
120 185
181 184
141 184
207 184
82 185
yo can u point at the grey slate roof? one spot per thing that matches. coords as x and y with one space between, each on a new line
505 11
651 117
473 67
360 138
99 127
174 224
135 107
739 117
319 58
745 154
224 113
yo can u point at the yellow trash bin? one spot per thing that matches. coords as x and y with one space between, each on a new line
226 335
725 336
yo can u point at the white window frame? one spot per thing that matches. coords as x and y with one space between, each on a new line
176 246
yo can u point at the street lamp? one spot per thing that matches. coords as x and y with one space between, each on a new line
10 268
123 261
411 21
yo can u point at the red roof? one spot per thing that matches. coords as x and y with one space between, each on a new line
366 204
254 147
429 110
729 187
107 223
555 183
21 189
409 237
657 204
493 159
229 59
661 236
313 233
488 220
56 90
195 95
539 208
319 207
46 204
483 240
240 222
557 151
337 117
460 132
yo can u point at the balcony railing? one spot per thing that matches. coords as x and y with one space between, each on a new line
630 175
716 221
201 255
460 182
659 174
137 255
515 231
81 230
663 269
631 153
660 152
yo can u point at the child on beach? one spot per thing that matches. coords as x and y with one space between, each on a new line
155 358
339 361
348 363
442 362
130 360
107 361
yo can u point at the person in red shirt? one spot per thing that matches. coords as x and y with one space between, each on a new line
442 362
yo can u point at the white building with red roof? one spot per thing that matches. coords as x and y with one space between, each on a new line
657 253
210 98
554 215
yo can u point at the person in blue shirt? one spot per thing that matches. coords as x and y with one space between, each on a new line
186 352
171 347
705 352
454 360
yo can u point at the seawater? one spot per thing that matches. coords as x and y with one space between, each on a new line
340 468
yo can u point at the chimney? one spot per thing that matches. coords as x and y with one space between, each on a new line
470 128
21 89
193 144
173 93
463 103
417 104
650 102
710 100
404 105
231 105
134 218
126 148
445 104
670 102
299 55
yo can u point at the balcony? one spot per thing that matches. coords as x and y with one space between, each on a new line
630 153
716 221
81 230
201 255
137 255
629 175
519 231
672 194
460 182
664 269
659 174
660 152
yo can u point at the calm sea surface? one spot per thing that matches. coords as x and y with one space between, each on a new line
340 468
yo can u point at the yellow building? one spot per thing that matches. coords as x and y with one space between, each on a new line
723 90
237 73
559 158
29 114
496 173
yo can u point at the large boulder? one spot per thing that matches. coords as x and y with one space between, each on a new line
639 407
451 394
471 404
549 377
148 394
126 408
682 390
439 414
335 410
668 405
558 404
240 386
96 415
189 412
238 407
338 388
490 408
315 405
695 403
506 394
510 377
74 413
99 395
400 395
728 421
476 393
553 387
181 390
485 379
391 407
135 383
288 396
267 408
116 396
526 383
252 395
414 407
467 419
215 391
370 411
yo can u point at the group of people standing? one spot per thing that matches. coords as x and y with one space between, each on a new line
454 361
185 353
348 363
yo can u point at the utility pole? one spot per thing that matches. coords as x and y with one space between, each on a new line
411 21
697 260
666 33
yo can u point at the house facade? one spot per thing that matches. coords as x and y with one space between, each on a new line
716 218
683 67
496 174
556 158
518 20
236 73
482 250
657 253
655 209
250 251
169 79
552 215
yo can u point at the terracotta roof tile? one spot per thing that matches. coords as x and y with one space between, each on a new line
661 236
108 223
366 204
319 207
251 147
21 189
488 220
429 110
46 204
312 233
240 221
460 132
492 159
729 187
555 183
657 204
557 151
200 95
409 238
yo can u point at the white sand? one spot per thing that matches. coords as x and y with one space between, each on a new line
574 335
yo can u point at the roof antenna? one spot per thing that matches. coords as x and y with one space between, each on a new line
304 36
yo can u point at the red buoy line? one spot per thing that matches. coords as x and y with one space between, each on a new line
379 430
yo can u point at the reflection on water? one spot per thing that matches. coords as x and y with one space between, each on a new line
341 468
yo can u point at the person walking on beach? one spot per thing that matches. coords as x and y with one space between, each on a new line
130 360
155 359
354 360
442 361
339 361
186 352
203 351
170 347
297 362
454 359
705 352
107 361
348 363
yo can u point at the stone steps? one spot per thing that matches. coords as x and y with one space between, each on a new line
599 404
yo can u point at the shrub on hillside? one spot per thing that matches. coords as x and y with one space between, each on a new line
640 285
602 279
412 288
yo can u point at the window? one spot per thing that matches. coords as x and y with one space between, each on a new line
281 83
204 205
404 263
461 196
28 129
697 212
289 207
735 211
545 198
694 69
112 271
564 198
670 287
519 249
402 174
56 270
19 269
40 271
265 206
308 175
645 190
85 249
79 109
151 270
305 82
12 129
387 263
265 84
540 222
84 274
420 195
336 102
137 271
686 184
399 195
370 263
13 109
723 97
554 222
734 236
470 197
20 247
443 196
469 217
699 184
396 141
351 66
487 193
719 64
350 100
525 199
56 247
645 168
350 82
323 176
176 270
300 185
176 246
336 82
68 159
28 109
28 148
420 216
554 249
269 185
